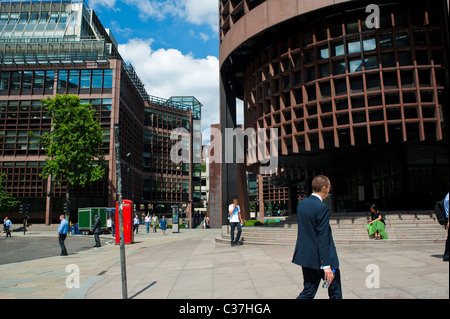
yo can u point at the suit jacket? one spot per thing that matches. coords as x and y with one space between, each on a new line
315 245
97 226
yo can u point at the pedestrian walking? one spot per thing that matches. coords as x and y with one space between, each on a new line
62 234
154 222
113 226
136 223
315 251
148 220
7 226
234 213
163 223
97 230
143 218
445 257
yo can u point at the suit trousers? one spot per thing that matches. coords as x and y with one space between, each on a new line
311 282
447 244
97 240
62 238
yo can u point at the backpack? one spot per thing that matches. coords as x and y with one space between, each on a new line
439 210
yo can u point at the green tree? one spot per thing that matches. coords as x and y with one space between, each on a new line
6 199
73 145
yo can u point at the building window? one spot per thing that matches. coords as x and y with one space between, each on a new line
73 80
97 76
323 53
404 58
4 80
62 79
385 40
26 80
15 80
354 47
108 79
339 49
38 81
388 60
85 79
339 67
369 44
402 38
49 80
355 65
371 62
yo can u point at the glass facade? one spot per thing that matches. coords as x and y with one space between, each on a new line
85 81
41 82
36 21
166 181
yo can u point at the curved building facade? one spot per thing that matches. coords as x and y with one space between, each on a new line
368 106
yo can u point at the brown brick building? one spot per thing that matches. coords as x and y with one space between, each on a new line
366 106
58 47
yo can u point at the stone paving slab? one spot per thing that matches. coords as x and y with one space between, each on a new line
192 265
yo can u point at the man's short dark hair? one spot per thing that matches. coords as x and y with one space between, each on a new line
319 182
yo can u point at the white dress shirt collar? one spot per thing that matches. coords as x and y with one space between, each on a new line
317 196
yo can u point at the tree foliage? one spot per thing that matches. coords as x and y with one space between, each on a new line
73 145
7 201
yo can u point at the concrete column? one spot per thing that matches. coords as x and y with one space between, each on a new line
229 172
293 200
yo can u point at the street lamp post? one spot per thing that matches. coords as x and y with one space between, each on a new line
128 175
123 266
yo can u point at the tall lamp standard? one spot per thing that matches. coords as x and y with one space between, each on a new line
128 175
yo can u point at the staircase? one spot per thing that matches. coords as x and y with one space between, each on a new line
420 226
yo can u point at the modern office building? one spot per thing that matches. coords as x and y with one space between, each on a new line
166 182
365 104
61 47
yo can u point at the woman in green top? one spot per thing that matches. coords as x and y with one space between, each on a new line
376 224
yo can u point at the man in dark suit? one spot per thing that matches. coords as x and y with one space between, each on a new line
315 250
97 230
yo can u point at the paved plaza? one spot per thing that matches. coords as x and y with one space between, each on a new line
192 265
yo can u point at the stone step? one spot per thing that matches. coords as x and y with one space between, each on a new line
363 222
336 231
412 232
362 217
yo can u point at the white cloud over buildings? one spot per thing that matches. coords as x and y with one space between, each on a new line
168 72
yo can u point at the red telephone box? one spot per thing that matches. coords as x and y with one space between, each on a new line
128 222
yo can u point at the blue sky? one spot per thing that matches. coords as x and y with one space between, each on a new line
173 46
189 26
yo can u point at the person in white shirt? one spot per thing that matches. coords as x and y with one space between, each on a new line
136 223
147 220
234 214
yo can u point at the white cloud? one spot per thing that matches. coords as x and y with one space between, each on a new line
202 12
167 73
202 35
198 12
124 31
155 9
105 3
